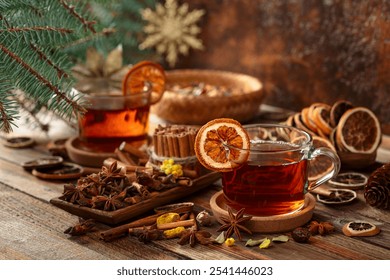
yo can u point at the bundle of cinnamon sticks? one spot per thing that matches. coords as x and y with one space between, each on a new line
174 141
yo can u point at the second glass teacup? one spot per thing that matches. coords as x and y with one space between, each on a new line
112 119
274 180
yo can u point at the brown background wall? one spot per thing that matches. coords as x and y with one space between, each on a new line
305 51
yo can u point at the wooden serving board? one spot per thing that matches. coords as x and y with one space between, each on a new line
129 212
270 224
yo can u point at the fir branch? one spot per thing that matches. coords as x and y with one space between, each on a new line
104 33
59 94
32 112
42 56
87 24
5 119
8 106
37 28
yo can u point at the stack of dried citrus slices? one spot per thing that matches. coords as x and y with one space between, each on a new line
351 130
145 75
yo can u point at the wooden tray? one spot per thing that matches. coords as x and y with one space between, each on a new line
271 224
127 213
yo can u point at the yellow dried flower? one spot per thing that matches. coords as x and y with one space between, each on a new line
169 167
230 241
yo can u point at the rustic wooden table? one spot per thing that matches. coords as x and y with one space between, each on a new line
32 228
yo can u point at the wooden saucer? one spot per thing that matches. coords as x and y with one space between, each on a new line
271 224
85 158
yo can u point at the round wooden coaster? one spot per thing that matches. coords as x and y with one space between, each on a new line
44 162
83 157
271 224
18 142
66 171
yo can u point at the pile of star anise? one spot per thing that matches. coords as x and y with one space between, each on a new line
110 189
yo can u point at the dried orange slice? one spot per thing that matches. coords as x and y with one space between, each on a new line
338 196
337 110
222 145
349 180
143 75
360 228
321 164
359 131
321 117
305 116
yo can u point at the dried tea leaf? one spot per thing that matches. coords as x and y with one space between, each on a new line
280 238
265 244
252 242
220 239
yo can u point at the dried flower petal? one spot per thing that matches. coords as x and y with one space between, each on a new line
252 243
280 238
265 244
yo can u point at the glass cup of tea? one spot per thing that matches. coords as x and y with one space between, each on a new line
112 119
275 179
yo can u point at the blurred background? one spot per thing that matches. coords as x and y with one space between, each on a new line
304 51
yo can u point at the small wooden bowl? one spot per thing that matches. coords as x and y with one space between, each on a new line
83 157
356 160
197 110
271 224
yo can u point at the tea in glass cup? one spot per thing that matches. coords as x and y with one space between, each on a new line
112 119
274 180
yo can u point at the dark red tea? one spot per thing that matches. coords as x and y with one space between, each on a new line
103 130
265 190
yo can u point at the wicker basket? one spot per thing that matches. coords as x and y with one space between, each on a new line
196 110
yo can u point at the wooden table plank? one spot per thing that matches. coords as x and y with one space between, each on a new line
33 229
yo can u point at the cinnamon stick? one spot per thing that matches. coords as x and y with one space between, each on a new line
141 190
122 230
176 148
160 147
124 157
322 191
124 167
171 149
184 145
187 182
190 173
124 146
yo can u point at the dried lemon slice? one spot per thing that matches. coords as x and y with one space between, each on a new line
222 145
349 180
360 228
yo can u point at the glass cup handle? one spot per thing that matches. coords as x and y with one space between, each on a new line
313 153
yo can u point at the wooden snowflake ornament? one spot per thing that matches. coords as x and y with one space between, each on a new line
172 30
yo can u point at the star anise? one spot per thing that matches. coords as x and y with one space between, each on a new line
193 236
233 224
112 172
148 234
321 228
81 228
73 193
109 203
